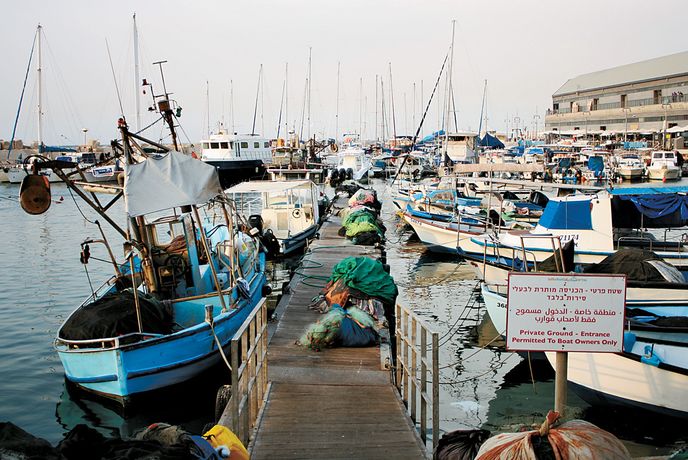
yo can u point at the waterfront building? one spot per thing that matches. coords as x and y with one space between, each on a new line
647 99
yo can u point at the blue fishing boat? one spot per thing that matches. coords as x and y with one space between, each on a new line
189 279
197 279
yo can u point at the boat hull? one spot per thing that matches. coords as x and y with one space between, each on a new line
231 172
123 371
663 173
618 378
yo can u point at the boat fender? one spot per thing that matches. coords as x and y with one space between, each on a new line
628 341
267 290
649 356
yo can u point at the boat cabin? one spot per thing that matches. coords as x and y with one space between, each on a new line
224 146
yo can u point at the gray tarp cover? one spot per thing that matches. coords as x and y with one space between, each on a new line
171 181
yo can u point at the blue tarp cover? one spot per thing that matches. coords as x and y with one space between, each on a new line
596 164
654 206
567 215
491 142
649 190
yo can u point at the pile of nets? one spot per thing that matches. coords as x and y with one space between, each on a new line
357 303
361 220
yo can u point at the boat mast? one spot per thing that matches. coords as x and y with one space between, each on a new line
39 71
391 98
137 77
207 108
166 109
376 86
336 116
310 49
231 103
360 111
449 89
255 107
286 101
482 111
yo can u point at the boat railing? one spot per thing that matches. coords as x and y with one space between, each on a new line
635 239
104 343
415 370
557 251
249 351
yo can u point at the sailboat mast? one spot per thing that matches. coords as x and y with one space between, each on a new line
39 71
482 110
286 101
391 97
376 86
231 103
449 88
360 111
207 108
310 81
255 107
137 77
336 116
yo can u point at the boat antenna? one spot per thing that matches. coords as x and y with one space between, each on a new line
420 126
21 97
336 114
279 120
114 79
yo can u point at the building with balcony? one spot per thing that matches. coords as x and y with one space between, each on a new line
641 100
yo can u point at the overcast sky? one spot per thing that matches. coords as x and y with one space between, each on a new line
525 49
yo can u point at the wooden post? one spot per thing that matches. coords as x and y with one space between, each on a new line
414 368
423 384
561 369
435 390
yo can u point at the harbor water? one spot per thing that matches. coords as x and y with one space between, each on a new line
482 384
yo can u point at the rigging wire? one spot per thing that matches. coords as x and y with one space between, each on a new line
114 78
21 97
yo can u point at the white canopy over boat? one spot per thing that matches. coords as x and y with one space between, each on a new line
167 182
267 186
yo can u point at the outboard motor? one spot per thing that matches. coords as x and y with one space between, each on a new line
256 221
270 242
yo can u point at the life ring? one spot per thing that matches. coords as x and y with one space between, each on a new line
296 213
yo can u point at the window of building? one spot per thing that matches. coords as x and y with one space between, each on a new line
256 145
214 145
603 128
244 145
623 101
267 145
224 145
593 105
555 106
657 96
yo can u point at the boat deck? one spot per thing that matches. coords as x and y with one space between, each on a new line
336 403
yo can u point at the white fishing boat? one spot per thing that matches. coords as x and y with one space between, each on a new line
664 166
284 214
648 375
236 157
354 163
598 224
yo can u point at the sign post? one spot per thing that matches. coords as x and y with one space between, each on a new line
563 313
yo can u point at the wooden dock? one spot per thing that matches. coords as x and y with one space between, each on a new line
337 403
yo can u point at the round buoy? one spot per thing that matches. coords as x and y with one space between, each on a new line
34 194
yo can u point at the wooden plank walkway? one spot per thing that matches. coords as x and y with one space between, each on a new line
337 403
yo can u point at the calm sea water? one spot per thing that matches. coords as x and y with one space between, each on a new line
42 281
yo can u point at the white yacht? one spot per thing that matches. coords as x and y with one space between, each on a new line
237 157
664 166
629 166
